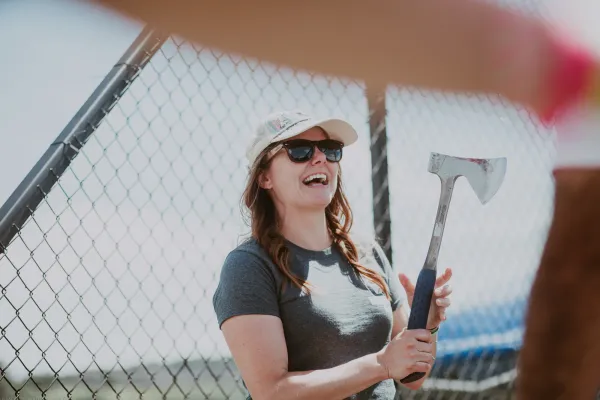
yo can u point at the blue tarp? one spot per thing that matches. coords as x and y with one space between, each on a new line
481 342
486 329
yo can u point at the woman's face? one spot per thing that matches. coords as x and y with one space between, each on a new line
306 185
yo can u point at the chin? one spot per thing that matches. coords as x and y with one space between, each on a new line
315 198
320 204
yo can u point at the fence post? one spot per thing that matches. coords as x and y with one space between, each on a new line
62 151
379 167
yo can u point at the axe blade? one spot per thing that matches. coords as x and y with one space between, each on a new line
485 175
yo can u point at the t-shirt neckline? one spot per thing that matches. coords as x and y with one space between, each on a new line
324 252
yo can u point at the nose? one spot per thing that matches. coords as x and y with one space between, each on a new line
318 157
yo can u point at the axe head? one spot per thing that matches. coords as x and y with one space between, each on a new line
485 175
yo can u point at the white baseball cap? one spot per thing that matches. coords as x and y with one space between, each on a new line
284 125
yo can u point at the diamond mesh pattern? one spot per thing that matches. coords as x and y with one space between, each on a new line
106 289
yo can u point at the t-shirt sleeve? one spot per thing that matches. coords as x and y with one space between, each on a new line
246 286
397 293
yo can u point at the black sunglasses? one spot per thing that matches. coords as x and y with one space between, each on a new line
302 150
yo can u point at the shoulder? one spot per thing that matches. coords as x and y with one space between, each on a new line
249 251
249 255
247 284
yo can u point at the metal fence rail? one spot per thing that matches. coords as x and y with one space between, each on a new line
114 242
40 180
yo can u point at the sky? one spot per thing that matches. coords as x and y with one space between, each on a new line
128 245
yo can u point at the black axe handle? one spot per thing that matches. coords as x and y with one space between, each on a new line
420 309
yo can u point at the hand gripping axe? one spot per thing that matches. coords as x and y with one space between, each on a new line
485 177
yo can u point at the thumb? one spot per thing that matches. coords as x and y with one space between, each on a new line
399 334
405 281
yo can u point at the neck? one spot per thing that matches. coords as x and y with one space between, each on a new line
306 229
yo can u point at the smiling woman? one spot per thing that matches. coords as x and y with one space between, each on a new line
302 306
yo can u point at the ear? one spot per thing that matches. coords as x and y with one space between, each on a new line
264 181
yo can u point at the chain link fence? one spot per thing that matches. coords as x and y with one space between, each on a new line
114 242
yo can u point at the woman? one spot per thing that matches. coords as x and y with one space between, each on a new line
465 46
308 313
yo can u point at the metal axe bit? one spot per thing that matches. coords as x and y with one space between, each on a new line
485 177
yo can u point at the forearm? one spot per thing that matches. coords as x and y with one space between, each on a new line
329 384
460 45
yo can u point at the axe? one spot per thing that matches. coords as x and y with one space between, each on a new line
485 177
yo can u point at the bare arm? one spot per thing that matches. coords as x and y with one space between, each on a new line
257 344
459 45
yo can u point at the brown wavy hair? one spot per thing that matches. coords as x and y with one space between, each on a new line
264 224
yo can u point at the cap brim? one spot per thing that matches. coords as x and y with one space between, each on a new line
335 128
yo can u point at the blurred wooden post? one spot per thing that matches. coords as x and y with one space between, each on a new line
379 167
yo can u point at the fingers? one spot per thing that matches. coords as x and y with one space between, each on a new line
421 367
412 351
424 347
409 287
444 278
441 314
422 335
440 281
422 356
420 351
442 301
444 291
445 303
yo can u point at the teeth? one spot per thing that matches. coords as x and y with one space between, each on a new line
320 177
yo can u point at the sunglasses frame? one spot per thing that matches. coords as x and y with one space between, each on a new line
314 144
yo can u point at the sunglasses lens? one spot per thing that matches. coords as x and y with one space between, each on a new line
331 149
300 151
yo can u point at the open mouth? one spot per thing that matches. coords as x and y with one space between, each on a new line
316 180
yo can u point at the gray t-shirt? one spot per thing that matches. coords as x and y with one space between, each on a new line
345 317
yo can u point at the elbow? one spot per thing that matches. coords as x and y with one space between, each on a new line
273 395
272 392
266 395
